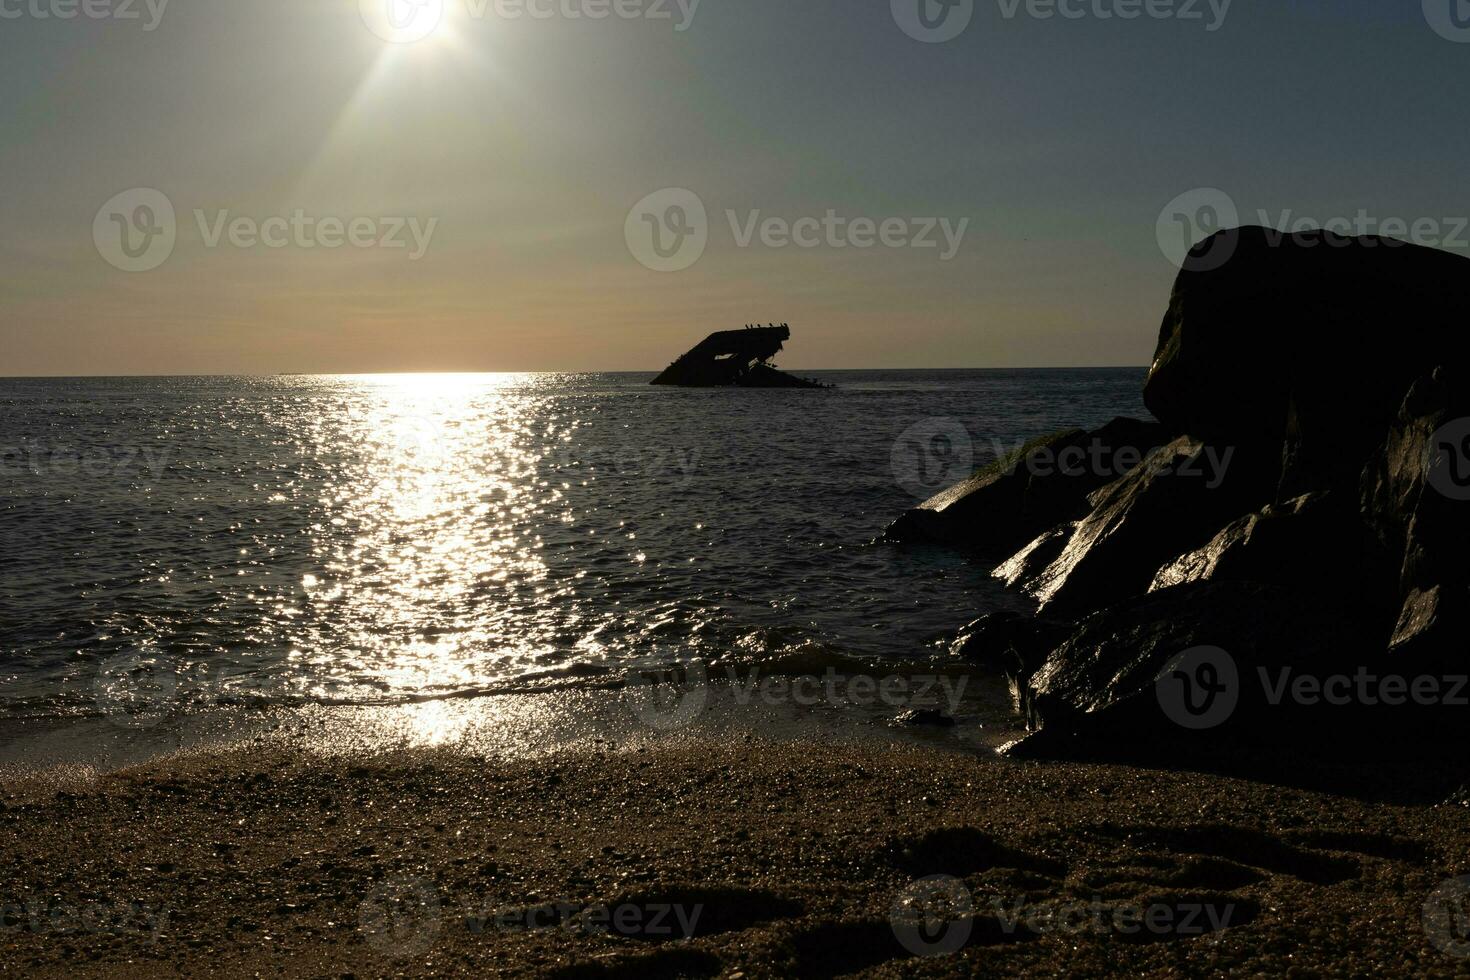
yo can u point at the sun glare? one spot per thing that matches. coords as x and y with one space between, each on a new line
406 22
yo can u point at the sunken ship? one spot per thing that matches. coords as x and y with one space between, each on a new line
735 359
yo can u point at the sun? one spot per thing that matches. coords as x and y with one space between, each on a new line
403 21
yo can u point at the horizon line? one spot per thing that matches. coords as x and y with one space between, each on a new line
392 374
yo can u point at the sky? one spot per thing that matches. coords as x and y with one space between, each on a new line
532 186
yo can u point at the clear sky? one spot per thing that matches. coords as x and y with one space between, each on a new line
518 146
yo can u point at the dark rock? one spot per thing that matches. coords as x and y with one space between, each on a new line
1045 481
1311 512
1010 644
1099 684
990 640
1246 548
1339 327
981 511
1006 640
1416 493
1172 504
1023 569
1316 543
1429 636
1416 499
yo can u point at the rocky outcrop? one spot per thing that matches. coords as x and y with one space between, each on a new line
1045 481
1262 546
1024 569
1100 682
1310 510
1009 642
1431 629
1171 504
1317 544
1416 497
1417 490
1338 327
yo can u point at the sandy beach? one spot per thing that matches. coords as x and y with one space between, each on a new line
713 856
642 489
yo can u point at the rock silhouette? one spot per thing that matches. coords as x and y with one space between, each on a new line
1045 481
1304 503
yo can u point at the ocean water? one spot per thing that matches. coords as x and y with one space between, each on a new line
198 542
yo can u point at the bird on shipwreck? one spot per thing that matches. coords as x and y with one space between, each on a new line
735 358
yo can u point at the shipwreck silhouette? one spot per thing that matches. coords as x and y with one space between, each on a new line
735 358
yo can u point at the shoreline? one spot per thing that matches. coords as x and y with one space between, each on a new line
782 852
790 706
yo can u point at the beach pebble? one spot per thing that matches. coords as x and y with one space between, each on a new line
926 716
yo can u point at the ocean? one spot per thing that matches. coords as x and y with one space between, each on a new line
175 546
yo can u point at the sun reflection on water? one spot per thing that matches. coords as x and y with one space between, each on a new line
380 541
437 538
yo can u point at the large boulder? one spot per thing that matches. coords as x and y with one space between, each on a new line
1417 489
1097 691
1264 546
1416 498
1173 503
1010 643
1312 338
1045 481
1429 636
1311 511
1317 543
1026 568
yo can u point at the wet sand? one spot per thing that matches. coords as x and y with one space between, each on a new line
781 858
